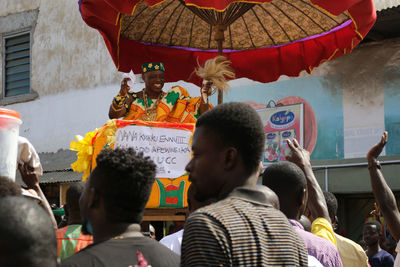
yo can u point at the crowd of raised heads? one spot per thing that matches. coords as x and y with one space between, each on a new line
232 218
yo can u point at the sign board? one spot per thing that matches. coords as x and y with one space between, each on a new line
281 123
168 148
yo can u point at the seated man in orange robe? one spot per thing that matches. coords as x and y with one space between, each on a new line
152 104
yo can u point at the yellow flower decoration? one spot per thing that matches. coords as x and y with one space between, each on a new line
144 69
84 148
150 65
156 67
109 130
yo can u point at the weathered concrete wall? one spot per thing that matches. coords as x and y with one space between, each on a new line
363 92
73 74
354 87
15 22
7 22
66 53
10 7
52 121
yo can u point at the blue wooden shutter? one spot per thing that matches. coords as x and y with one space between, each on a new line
17 65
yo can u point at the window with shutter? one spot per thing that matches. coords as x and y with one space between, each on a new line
16 65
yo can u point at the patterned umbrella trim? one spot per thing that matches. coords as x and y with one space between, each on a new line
355 25
335 15
215 5
343 25
336 53
222 8
323 9
309 69
111 31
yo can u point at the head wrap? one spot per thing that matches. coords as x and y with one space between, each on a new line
146 67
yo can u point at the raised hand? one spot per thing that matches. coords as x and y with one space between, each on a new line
382 192
124 87
30 178
205 91
376 150
299 155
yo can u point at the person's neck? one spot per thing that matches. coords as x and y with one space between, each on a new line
373 249
152 94
107 230
74 218
251 181
242 180
289 212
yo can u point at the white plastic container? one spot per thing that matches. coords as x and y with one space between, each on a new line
9 132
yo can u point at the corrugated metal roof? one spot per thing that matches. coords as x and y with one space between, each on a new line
61 160
387 25
64 176
56 168
384 4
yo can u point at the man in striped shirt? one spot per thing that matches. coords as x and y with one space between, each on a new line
242 228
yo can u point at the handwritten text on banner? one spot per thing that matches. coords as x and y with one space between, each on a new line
168 148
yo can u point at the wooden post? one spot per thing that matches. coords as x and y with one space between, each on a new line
219 37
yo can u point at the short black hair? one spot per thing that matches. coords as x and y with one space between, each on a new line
73 194
237 125
9 188
376 223
285 178
331 203
27 234
124 179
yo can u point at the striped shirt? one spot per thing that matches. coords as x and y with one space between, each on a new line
241 230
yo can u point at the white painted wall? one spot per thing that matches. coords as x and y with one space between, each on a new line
76 80
9 7
51 122
66 53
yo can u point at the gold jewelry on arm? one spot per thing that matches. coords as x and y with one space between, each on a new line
116 109
119 101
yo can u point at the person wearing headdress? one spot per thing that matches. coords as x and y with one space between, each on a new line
152 104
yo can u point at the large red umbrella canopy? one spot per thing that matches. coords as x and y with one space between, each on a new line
117 21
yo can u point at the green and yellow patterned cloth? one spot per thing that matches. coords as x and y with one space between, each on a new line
146 67
70 240
175 106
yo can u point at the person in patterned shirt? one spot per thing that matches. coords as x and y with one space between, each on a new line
152 104
70 238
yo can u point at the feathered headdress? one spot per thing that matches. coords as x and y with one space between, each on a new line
216 70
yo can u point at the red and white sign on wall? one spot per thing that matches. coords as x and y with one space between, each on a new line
281 123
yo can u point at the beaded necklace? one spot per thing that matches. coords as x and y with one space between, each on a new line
150 113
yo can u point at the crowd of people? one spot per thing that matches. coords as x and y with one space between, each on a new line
233 221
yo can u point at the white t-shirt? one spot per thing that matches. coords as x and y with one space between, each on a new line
173 241
313 262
